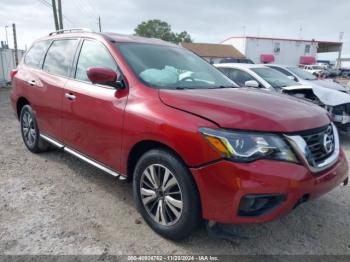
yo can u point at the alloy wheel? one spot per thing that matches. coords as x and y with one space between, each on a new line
161 194
28 129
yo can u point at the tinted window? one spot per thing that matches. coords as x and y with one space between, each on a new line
93 54
238 76
307 49
60 56
35 55
228 60
246 61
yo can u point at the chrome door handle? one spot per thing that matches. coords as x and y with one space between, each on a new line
70 96
31 82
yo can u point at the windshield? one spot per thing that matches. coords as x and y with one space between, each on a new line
302 73
171 67
275 78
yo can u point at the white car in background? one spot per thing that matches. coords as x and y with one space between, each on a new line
260 76
306 78
314 69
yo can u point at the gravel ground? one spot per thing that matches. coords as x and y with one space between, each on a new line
52 203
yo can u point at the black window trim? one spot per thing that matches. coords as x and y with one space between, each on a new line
278 68
70 67
239 69
44 56
76 60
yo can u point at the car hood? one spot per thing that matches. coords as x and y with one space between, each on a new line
331 97
327 96
247 109
329 84
297 87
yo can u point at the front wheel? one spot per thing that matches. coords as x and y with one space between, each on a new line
166 194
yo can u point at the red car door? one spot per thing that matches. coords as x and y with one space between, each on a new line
36 89
46 86
92 115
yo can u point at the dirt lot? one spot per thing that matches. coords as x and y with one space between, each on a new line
53 203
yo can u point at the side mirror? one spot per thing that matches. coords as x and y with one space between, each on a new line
251 83
102 75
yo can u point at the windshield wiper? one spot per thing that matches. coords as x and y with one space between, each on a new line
214 87
183 87
221 86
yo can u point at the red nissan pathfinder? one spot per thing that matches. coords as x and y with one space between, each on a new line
194 146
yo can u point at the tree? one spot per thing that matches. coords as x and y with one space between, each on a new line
162 30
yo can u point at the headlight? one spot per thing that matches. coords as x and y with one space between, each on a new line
248 146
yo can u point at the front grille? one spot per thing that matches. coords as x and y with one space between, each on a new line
320 145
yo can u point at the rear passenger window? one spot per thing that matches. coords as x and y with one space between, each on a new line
283 71
93 54
60 56
36 53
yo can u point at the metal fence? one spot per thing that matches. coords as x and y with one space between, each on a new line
7 62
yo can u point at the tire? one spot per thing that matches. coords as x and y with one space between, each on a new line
30 132
178 186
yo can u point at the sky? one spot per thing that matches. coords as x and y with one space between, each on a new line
206 20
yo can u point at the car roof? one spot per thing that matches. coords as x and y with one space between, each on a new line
110 36
279 65
240 65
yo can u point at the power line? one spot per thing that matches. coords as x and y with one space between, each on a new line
83 7
49 5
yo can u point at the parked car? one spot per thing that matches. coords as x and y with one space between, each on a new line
345 72
194 148
261 76
306 78
332 72
236 60
314 69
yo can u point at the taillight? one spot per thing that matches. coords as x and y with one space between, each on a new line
13 72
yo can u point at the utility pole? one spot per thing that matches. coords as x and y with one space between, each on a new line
54 10
99 23
300 33
59 7
244 28
7 38
341 35
15 43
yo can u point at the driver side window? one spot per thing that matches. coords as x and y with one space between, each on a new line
239 76
93 54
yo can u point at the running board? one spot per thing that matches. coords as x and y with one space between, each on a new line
82 157
53 142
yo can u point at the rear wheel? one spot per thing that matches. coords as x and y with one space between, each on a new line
166 194
30 132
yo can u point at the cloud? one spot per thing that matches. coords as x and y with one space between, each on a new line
205 20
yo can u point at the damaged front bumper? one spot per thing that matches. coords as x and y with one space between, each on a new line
340 116
341 119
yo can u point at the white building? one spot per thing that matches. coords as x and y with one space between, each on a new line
345 61
281 51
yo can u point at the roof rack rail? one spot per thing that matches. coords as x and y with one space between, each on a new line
70 30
